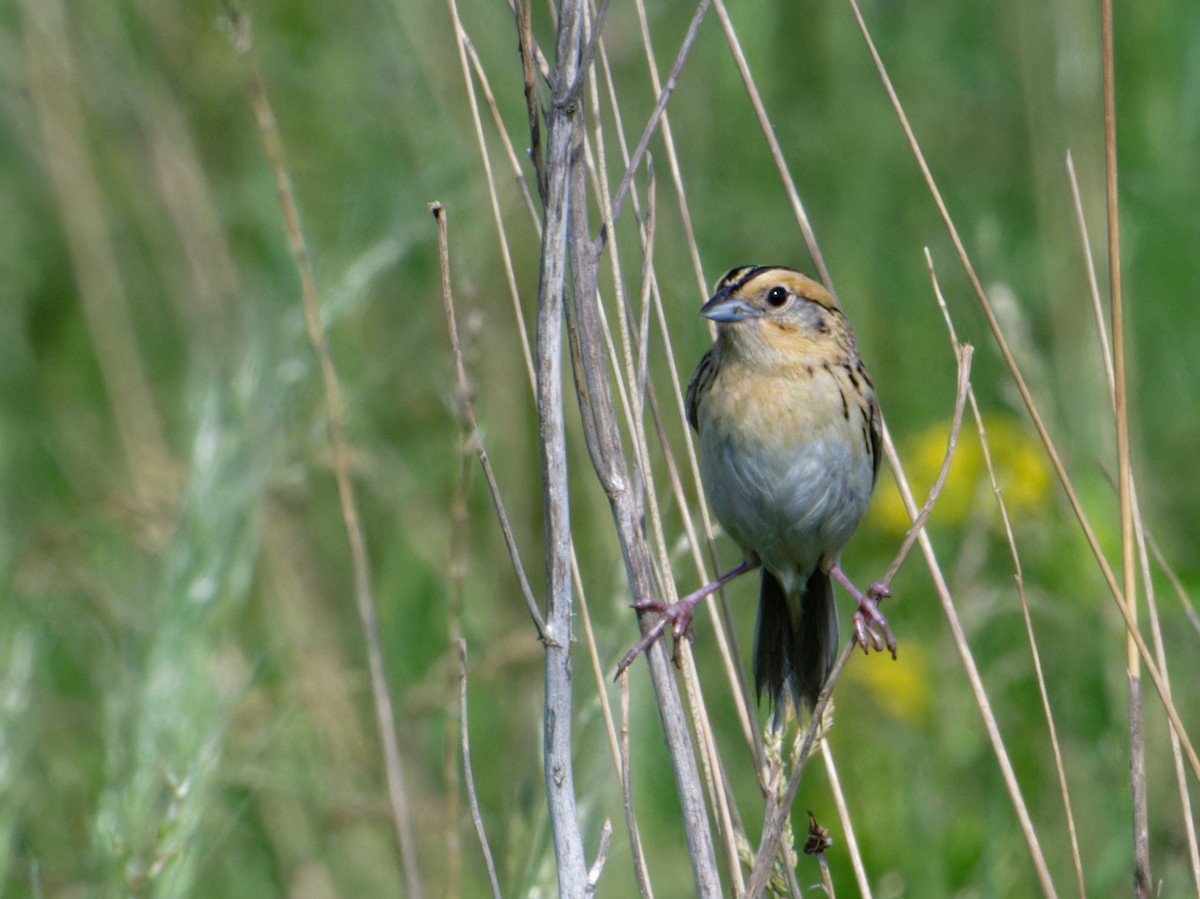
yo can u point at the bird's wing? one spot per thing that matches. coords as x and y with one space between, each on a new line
702 380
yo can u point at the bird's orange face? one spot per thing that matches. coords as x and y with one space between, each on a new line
764 311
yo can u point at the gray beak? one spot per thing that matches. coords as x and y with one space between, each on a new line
728 309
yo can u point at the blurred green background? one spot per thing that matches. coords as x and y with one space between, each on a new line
184 704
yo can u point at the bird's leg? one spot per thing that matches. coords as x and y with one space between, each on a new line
679 614
871 629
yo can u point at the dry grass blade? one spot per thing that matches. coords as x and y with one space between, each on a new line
468 774
843 810
768 130
363 593
1020 582
1137 739
1144 539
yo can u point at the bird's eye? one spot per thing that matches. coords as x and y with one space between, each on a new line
777 296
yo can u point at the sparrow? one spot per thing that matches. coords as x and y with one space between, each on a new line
789 440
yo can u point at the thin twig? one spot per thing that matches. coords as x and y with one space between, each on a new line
652 123
468 775
472 440
363 593
525 38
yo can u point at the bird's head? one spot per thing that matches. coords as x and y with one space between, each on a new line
761 310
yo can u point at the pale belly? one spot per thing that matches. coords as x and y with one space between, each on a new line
793 503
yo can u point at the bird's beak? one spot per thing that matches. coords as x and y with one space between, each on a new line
724 308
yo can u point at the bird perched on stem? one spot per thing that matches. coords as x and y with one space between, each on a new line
789 443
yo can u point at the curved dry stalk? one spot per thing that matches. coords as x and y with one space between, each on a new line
472 440
776 817
1030 406
468 774
843 810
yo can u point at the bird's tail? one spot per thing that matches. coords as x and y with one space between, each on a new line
795 642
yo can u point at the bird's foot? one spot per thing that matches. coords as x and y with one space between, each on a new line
677 616
871 629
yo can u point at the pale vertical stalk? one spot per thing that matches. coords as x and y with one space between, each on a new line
562 129
1137 746
363 592
839 800
59 110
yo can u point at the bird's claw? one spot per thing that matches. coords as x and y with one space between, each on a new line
871 629
678 616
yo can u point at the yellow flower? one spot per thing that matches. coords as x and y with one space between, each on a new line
1020 465
902 687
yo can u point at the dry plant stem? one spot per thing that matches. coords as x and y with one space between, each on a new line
1012 545
764 123
604 447
1144 540
535 613
1031 407
635 844
565 160
652 123
843 810
1189 823
472 441
976 682
562 128
726 812
1137 744
363 593
468 775
1093 287
457 574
